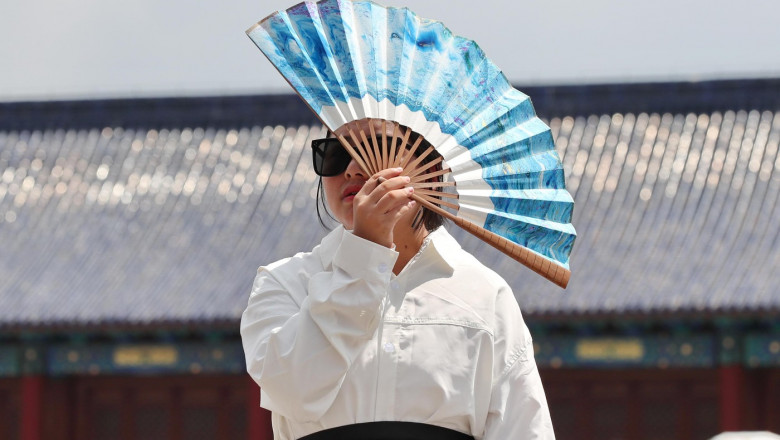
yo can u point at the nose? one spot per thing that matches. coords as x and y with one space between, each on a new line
353 170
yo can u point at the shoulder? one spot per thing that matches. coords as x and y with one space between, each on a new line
472 283
484 295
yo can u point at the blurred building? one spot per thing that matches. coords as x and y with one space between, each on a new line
131 231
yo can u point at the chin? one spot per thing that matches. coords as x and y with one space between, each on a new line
346 222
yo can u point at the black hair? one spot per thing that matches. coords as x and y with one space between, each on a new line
431 219
321 201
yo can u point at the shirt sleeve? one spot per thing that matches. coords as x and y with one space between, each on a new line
299 352
518 407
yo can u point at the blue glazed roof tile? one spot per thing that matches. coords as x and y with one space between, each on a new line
675 213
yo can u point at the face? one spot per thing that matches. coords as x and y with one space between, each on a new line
340 190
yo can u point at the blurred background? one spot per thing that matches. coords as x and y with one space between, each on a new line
151 159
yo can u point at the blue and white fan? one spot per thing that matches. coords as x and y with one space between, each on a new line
352 60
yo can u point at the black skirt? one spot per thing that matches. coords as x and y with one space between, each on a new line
388 431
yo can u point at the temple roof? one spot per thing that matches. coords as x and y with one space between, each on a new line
676 213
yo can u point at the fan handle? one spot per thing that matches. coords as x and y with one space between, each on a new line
558 274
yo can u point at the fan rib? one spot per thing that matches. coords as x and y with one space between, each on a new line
404 140
440 202
436 193
425 177
362 151
393 145
425 167
377 152
420 158
354 153
409 154
370 153
384 144
431 184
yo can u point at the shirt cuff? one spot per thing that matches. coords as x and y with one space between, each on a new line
364 259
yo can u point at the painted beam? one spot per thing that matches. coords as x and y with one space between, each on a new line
762 350
218 356
622 352
130 358
9 361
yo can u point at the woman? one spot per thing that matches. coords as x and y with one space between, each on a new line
389 320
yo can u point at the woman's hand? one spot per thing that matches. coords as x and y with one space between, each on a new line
379 205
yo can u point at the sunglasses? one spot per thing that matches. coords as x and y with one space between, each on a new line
330 157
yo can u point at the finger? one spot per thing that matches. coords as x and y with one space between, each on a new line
373 182
389 186
400 211
389 173
392 200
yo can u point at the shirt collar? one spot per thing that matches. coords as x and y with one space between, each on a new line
441 245
444 246
329 245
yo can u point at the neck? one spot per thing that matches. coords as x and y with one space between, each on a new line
407 243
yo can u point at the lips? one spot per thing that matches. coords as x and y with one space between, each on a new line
350 190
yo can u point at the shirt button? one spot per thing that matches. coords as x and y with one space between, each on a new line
395 286
389 347
382 268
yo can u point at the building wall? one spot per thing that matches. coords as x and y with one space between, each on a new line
584 403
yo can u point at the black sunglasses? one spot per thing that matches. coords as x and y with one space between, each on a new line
330 157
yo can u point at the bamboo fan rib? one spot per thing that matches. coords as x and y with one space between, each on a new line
499 176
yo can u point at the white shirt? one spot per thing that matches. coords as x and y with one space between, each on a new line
333 338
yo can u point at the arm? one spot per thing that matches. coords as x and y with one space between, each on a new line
299 354
518 407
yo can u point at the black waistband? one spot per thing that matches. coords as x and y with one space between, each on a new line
388 431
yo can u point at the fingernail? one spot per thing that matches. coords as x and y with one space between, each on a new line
399 169
407 179
411 203
410 190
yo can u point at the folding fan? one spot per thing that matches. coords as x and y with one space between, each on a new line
503 178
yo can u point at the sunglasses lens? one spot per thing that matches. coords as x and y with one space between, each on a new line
330 158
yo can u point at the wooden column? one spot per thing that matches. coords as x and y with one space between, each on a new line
258 419
31 407
731 378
